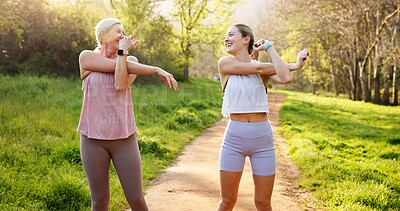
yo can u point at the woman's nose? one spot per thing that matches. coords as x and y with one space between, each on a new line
226 39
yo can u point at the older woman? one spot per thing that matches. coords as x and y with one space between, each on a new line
107 123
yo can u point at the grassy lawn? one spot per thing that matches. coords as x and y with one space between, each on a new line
39 146
349 151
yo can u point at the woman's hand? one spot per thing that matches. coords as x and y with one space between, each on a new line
262 44
127 43
168 78
301 58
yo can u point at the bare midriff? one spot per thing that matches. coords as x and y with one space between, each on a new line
249 117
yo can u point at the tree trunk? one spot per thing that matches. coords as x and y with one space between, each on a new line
354 78
352 85
332 71
186 72
346 84
386 84
359 90
395 86
365 83
186 63
312 88
377 79
357 82
395 75
371 76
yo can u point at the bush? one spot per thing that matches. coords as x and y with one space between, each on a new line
66 195
148 146
187 118
67 153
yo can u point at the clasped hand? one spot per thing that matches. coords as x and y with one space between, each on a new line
301 58
262 44
127 43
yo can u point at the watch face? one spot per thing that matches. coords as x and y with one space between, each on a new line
120 52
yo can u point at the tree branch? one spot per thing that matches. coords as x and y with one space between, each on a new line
376 40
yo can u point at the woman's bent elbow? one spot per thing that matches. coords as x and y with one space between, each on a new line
121 87
287 80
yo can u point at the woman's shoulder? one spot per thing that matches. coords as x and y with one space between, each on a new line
225 61
132 58
225 58
87 52
87 55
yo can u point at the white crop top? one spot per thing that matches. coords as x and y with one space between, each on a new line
244 94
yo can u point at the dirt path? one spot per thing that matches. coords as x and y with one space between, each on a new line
192 184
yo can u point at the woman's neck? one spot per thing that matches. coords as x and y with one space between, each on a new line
108 52
242 56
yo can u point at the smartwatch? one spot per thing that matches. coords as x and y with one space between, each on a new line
121 52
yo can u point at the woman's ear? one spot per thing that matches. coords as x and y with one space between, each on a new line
102 36
246 40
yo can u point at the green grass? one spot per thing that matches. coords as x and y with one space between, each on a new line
39 147
348 151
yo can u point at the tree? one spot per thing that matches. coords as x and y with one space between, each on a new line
356 43
154 31
45 40
194 30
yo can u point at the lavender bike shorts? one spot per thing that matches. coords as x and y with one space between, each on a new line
243 139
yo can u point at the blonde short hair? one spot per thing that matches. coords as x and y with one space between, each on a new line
104 25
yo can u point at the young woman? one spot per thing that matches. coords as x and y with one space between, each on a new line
245 102
107 123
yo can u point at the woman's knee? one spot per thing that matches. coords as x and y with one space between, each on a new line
138 203
263 204
227 203
100 203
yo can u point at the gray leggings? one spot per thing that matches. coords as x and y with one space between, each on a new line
125 155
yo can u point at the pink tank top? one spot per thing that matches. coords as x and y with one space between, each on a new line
107 113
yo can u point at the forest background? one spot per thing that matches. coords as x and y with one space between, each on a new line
354 44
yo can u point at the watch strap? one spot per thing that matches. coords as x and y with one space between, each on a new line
121 52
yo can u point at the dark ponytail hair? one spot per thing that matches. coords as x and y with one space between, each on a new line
246 31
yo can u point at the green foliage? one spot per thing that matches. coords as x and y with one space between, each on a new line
347 150
39 146
46 40
157 45
149 146
9 22
66 153
66 194
201 26
187 118
315 74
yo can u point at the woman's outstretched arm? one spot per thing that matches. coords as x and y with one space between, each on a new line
90 61
94 62
230 66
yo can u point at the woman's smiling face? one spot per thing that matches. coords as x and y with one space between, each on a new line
234 40
114 35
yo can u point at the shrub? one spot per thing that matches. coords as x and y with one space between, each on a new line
67 153
66 195
148 146
187 118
